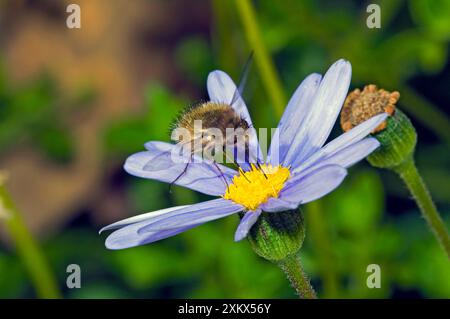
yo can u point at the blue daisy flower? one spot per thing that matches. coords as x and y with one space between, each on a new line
299 167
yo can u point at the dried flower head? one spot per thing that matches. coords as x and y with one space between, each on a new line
362 105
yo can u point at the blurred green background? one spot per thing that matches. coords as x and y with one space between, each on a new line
75 103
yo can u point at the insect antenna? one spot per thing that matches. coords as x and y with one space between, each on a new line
243 174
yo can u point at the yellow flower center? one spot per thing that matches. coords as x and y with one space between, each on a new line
255 187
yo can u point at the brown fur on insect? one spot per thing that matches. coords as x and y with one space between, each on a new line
213 115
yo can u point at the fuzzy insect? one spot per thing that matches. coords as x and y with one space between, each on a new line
208 126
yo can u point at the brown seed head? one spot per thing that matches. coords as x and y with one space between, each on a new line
362 105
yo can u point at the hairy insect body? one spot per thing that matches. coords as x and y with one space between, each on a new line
211 127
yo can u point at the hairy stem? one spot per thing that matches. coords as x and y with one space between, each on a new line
293 269
418 189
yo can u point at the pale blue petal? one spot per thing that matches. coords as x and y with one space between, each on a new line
134 234
140 218
158 163
344 141
324 110
348 156
314 185
194 214
246 223
221 87
274 205
294 117
128 236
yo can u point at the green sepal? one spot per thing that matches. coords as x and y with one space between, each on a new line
398 141
276 236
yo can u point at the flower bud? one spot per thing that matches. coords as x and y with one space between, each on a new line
398 142
276 236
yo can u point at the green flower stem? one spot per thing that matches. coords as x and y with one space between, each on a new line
27 248
265 65
408 172
293 269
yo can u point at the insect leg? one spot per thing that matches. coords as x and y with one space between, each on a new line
261 169
238 166
181 174
221 173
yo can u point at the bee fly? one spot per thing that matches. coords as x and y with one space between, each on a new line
218 117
